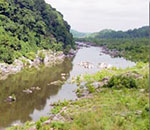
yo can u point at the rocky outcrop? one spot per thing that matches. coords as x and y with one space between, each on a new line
42 57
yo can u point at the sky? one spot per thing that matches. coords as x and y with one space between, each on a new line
96 15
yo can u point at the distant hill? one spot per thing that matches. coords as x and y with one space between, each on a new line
103 32
135 33
79 34
110 34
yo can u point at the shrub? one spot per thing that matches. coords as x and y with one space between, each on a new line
30 55
90 88
67 49
121 82
57 125
38 125
42 56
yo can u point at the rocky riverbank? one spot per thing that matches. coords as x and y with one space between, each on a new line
105 50
46 57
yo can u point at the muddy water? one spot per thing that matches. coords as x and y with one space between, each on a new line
33 106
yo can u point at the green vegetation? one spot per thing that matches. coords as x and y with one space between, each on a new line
27 26
121 81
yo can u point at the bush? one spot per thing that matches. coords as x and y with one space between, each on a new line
30 55
121 82
38 125
57 46
67 49
42 56
90 88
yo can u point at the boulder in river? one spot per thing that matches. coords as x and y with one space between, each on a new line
36 88
104 66
86 65
11 98
56 82
28 91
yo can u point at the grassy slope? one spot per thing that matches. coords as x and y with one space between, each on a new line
105 108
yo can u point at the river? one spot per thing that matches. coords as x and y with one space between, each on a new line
33 106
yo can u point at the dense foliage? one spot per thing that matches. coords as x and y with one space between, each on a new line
29 25
121 81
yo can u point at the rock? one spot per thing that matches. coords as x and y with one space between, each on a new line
11 99
33 88
138 112
142 90
58 117
19 64
63 77
16 124
84 94
104 66
47 122
86 65
63 109
97 84
56 82
63 74
33 128
28 91
38 88
72 52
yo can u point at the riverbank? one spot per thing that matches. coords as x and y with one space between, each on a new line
133 49
105 49
46 57
112 99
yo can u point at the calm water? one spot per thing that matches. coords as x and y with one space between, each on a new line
33 106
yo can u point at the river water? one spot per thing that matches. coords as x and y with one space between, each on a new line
33 106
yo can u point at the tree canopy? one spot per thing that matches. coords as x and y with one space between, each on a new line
29 25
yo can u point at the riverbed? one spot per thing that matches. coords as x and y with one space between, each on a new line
36 104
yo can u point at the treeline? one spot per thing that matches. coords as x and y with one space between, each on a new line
29 25
135 33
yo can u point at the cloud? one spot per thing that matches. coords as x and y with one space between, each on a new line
95 15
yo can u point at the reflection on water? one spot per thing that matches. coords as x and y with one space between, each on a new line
27 103
33 106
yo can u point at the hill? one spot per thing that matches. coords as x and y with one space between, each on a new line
27 26
77 34
135 33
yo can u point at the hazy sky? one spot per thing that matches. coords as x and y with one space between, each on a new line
95 15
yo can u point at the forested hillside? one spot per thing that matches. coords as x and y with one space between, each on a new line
135 33
29 25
